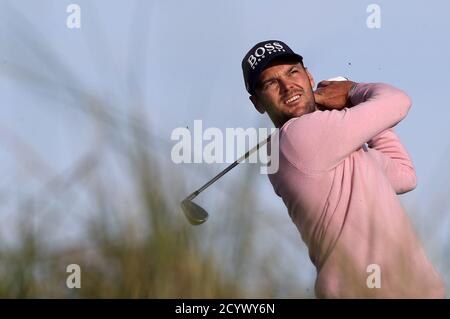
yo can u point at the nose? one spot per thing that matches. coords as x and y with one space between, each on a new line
285 85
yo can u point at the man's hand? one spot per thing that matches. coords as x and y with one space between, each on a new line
333 95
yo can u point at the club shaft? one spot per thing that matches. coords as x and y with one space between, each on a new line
227 169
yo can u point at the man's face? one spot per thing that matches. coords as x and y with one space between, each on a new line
284 91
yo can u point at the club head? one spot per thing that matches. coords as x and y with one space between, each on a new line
194 213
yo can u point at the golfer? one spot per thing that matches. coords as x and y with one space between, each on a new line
341 167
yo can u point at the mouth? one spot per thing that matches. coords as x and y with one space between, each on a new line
292 99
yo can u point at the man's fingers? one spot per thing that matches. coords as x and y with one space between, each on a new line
323 83
317 97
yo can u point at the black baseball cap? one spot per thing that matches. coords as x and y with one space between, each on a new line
259 57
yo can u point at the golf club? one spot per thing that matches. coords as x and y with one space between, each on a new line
195 214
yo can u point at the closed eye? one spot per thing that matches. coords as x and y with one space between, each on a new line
293 70
269 84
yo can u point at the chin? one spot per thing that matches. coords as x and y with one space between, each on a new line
300 112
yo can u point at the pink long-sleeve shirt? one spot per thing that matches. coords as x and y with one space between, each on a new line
342 196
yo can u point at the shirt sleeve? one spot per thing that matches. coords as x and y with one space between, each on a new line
395 161
321 140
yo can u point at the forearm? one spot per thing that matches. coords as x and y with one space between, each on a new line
391 102
395 161
326 138
376 108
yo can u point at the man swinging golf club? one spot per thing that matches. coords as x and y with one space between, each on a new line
341 193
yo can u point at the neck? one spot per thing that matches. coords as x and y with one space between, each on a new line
280 121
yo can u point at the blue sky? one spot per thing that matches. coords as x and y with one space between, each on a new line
180 61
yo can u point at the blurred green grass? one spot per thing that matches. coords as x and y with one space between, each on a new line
135 242
149 251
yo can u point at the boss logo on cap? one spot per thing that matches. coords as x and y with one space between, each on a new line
260 53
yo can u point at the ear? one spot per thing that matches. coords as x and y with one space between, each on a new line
311 79
258 106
